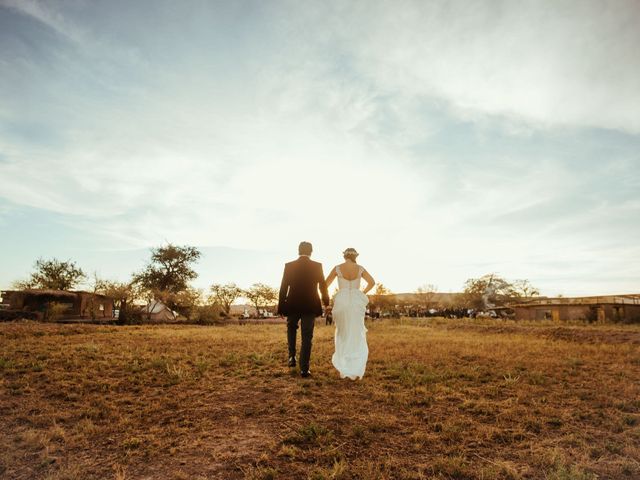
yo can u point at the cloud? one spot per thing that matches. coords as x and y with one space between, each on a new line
573 63
47 14
190 145
442 139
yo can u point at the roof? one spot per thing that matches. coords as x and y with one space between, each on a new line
49 291
632 299
39 292
90 293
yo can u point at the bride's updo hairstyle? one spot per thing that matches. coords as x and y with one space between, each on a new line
350 254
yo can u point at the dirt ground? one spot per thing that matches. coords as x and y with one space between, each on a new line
444 399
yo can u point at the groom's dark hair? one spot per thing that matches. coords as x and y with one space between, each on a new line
305 248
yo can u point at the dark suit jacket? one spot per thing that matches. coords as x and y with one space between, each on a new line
299 288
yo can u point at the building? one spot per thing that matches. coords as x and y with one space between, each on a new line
607 308
59 304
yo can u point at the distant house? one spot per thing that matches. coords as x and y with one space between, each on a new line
607 308
76 305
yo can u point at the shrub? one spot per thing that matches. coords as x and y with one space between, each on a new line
206 314
54 311
130 316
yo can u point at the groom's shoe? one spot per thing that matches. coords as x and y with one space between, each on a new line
292 361
305 373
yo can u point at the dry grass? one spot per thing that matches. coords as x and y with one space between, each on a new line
441 399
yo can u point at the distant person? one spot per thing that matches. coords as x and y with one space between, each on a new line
349 308
299 300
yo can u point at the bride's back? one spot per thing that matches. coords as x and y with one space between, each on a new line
349 270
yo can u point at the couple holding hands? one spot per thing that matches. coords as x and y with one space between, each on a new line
303 285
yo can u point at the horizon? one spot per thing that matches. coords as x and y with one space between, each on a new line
274 278
486 139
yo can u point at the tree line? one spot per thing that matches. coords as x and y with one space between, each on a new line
168 274
478 294
166 277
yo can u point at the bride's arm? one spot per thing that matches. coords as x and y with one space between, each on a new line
370 281
331 277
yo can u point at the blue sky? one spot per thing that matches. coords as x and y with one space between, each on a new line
443 140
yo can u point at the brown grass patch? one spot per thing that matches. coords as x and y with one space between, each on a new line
441 399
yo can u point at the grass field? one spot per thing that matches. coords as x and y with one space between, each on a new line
441 399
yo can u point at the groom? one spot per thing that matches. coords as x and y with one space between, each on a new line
299 301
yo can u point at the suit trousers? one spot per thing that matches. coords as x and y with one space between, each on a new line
307 321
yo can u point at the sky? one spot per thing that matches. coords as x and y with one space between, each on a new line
443 140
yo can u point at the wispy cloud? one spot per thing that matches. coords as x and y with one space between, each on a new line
46 13
567 64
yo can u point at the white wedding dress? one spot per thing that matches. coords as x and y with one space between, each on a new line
349 306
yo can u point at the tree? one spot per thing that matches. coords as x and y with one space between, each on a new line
53 274
206 314
524 289
381 298
123 295
381 290
426 294
169 271
261 295
488 290
225 295
96 286
185 302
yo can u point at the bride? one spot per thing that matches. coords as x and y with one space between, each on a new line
349 305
